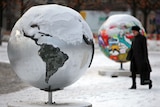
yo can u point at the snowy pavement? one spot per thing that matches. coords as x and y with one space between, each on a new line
101 91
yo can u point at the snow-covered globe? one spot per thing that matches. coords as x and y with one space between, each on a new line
50 47
115 36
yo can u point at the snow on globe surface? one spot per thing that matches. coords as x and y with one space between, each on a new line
115 36
50 47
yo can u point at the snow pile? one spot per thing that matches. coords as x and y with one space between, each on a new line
58 21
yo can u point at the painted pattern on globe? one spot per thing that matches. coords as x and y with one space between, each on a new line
115 36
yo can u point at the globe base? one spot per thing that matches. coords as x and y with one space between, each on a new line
55 104
114 72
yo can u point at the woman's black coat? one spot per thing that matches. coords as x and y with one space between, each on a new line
139 61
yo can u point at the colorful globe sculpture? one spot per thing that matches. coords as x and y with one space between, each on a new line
50 47
115 35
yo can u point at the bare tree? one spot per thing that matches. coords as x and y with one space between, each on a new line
2 5
25 5
146 6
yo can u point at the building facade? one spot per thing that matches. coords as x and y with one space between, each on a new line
17 7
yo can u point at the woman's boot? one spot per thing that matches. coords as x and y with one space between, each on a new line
133 86
133 81
150 84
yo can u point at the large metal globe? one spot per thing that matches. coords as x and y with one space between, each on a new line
115 36
50 47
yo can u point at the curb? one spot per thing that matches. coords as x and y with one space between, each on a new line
9 81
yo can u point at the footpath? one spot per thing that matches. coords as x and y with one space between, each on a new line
100 91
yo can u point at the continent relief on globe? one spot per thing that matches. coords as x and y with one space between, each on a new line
53 57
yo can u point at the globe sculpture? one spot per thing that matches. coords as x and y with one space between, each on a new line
115 36
50 47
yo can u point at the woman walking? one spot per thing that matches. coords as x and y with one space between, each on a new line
139 59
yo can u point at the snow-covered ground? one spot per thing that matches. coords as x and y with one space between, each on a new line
101 91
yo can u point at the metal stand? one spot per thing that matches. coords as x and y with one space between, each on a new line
50 98
121 66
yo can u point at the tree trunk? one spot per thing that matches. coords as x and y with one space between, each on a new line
1 21
134 8
22 7
77 6
145 13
